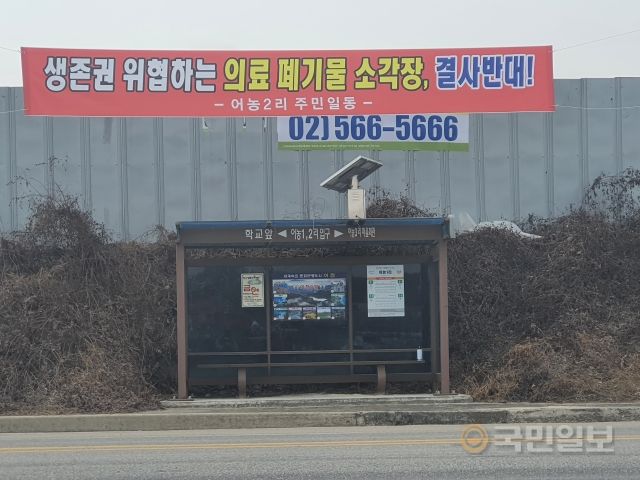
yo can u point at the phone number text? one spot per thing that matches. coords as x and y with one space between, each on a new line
417 128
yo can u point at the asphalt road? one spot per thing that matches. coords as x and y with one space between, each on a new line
430 451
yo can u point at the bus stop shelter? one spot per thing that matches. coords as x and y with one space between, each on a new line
312 301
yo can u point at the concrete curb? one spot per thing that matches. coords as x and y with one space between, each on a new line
337 400
554 414
235 419
174 421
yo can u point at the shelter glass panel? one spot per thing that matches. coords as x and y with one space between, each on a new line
217 320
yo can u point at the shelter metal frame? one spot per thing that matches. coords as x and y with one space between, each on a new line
432 232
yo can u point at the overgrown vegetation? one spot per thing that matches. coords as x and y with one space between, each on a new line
556 318
88 324
384 204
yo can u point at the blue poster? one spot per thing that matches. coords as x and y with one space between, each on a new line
310 296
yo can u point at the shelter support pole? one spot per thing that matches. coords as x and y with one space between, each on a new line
434 315
382 380
443 291
181 305
242 383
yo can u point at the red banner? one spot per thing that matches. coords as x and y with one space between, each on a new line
143 83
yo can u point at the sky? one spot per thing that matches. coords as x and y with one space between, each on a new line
331 24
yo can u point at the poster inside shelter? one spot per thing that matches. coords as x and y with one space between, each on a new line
252 290
310 296
385 290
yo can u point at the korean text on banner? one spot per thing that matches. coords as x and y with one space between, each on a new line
147 83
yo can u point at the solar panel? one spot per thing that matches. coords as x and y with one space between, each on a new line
360 166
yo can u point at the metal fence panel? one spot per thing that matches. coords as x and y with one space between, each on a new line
134 174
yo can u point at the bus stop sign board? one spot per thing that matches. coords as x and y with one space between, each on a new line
309 233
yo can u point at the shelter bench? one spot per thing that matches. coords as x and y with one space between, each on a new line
381 375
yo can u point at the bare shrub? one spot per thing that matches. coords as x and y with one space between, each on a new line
86 323
384 204
556 318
